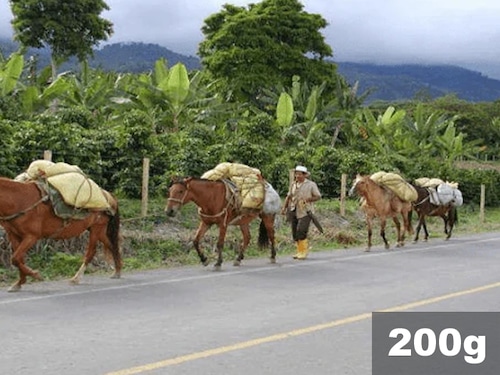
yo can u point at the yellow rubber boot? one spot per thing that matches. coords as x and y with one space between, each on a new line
297 253
303 249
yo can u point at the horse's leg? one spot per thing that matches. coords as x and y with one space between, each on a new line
451 222
269 224
424 225
369 225
20 249
383 222
445 222
87 258
220 246
419 226
400 232
202 229
245 231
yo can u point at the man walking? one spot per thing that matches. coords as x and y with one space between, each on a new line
299 207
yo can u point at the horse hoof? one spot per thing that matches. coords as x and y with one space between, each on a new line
273 261
236 263
116 275
367 250
217 268
14 288
37 276
205 262
74 281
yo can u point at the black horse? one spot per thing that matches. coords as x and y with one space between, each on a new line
423 207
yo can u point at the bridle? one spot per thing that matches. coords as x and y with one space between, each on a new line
180 201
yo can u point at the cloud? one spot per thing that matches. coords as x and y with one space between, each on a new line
458 32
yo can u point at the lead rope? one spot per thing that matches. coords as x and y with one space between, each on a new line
17 214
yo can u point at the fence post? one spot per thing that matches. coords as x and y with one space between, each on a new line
481 203
47 155
343 189
145 185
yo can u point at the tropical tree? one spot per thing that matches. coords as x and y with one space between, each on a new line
170 98
265 45
69 28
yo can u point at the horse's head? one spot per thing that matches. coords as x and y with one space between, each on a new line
177 194
358 181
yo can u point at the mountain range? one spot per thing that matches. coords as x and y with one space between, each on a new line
384 82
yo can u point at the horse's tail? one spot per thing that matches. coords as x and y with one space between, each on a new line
454 215
113 233
263 235
410 226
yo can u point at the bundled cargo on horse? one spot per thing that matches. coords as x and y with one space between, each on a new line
441 193
249 182
404 190
69 189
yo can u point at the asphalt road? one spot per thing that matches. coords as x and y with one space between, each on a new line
296 317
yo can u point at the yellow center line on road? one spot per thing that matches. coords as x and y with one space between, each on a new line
293 333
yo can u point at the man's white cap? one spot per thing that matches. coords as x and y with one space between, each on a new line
301 168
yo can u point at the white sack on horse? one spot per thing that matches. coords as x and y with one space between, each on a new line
248 180
272 201
449 194
397 184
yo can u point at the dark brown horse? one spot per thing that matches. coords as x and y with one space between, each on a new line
423 207
381 202
216 205
27 216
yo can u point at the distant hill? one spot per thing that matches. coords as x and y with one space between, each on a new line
386 82
138 57
118 57
399 82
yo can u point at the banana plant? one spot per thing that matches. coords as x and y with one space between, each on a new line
170 97
383 133
10 73
284 110
305 105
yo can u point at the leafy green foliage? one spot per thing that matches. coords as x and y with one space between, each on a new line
264 45
70 28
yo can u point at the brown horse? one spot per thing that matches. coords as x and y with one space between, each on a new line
423 207
27 216
216 205
378 201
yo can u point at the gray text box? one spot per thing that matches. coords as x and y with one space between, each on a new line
435 343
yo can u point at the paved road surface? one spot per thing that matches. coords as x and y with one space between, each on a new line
311 317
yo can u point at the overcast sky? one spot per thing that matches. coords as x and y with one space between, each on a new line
457 32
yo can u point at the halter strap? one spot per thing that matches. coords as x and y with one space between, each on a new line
180 201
